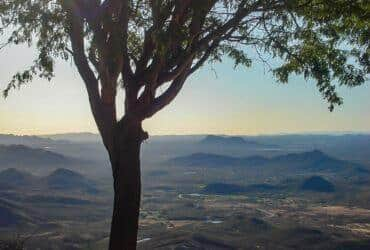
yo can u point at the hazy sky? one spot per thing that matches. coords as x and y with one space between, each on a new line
235 101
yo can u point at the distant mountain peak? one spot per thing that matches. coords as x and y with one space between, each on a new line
63 175
231 140
65 172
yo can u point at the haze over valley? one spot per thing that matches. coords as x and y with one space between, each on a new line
202 191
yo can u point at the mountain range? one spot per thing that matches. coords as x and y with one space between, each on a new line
228 140
83 137
232 141
306 161
29 140
24 156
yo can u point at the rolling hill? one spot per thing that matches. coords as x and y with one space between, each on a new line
61 179
317 184
65 179
13 177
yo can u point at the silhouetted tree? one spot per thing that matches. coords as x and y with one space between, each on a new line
140 45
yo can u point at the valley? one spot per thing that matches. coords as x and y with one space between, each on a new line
218 194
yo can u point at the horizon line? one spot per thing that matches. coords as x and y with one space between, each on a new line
351 132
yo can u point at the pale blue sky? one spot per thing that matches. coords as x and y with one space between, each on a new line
240 101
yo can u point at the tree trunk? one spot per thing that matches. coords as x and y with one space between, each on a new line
125 160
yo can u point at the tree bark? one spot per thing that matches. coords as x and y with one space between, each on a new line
125 160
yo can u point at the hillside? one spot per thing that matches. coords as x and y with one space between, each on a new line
23 156
11 214
14 177
317 184
61 179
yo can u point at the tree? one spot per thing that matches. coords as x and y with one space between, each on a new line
141 45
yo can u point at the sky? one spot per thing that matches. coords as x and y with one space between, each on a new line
218 99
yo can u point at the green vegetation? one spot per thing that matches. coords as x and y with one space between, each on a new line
142 45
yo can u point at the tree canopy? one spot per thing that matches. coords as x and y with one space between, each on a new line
143 44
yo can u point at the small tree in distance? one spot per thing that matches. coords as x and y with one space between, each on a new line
141 45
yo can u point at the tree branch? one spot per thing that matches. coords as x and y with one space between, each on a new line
104 116
165 98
